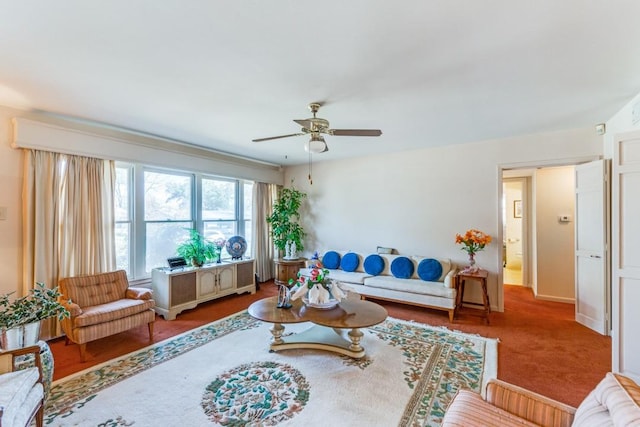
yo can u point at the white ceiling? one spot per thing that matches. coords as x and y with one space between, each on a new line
220 73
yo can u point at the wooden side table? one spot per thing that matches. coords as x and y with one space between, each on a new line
480 277
288 269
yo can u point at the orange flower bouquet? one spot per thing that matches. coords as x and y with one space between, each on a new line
473 241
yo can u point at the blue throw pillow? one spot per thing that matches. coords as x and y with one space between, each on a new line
350 262
373 264
331 260
402 268
429 269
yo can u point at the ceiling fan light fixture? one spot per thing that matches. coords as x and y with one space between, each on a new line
316 144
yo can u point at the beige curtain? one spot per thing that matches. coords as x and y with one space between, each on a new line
87 223
264 197
68 219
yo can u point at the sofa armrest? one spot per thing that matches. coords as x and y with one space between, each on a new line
73 308
529 405
448 279
138 293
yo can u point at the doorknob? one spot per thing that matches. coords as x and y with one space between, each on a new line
595 256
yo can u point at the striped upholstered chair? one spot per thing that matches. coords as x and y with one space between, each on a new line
102 305
614 402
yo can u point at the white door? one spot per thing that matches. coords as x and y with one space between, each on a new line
626 255
592 272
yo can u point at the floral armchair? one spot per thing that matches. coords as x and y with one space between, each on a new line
102 305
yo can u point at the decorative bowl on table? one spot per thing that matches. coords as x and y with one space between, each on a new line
236 247
322 306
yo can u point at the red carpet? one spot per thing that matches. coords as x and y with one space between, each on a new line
541 347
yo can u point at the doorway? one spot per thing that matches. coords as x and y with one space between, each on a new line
513 191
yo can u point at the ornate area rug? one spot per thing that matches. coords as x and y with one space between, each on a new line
224 374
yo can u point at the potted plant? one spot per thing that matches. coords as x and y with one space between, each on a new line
197 249
286 231
20 319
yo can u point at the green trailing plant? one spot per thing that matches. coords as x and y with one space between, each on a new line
41 303
284 219
197 249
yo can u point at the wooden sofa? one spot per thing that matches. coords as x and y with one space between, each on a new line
614 402
102 305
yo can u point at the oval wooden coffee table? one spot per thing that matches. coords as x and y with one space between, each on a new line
327 332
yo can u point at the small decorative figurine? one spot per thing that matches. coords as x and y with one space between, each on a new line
284 297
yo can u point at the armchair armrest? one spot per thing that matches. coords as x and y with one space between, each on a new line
138 293
529 405
73 308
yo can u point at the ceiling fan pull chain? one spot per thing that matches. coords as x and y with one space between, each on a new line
310 180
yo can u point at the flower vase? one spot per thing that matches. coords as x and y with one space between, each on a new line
472 267
218 254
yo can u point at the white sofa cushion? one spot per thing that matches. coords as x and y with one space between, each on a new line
410 285
339 275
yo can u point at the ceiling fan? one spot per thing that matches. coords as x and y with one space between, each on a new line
316 127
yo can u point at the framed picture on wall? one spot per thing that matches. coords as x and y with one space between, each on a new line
517 208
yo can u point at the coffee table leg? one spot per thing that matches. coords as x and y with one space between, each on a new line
355 335
277 330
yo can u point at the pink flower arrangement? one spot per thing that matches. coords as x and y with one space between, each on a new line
318 275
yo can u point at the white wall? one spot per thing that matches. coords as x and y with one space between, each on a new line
416 201
554 196
11 198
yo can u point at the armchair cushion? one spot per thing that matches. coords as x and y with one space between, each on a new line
103 313
95 289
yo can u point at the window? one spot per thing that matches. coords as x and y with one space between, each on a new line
168 212
155 207
219 210
123 217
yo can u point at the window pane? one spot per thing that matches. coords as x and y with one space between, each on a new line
123 246
218 199
214 230
248 199
162 240
167 196
121 194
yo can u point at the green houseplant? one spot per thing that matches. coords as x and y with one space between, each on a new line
197 249
285 228
20 318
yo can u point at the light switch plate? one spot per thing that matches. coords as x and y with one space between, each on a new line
3 213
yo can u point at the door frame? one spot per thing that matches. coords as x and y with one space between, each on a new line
530 248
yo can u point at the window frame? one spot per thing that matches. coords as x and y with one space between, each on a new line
138 240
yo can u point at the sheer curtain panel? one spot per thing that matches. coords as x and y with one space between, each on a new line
264 197
68 219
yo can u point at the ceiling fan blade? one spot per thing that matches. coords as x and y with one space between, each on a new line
356 132
304 123
276 137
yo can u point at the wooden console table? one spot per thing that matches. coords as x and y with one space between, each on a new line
480 277
288 269
177 290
